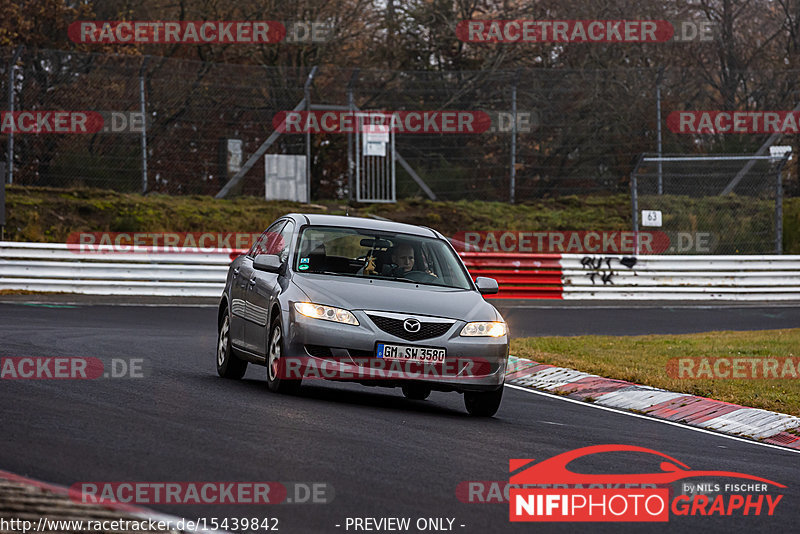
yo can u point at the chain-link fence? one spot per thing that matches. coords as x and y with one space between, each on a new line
712 204
576 131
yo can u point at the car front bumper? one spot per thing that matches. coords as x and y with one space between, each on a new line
336 351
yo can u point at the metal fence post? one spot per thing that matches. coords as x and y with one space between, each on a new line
635 201
350 159
307 98
2 203
779 215
351 105
779 205
143 110
12 69
658 128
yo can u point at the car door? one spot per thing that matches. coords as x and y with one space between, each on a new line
263 293
242 275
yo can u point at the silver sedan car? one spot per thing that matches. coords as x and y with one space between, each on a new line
361 300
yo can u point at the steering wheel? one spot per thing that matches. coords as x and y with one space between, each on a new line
420 276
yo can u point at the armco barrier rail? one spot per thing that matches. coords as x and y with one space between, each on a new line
520 276
52 267
47 267
615 277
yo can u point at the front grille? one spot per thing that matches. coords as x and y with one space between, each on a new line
427 330
318 351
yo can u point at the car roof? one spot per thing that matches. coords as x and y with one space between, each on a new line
363 223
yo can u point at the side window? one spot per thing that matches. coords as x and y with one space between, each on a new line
280 246
266 241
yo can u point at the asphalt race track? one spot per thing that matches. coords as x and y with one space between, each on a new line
587 318
378 454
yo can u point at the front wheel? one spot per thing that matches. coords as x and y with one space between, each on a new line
228 365
276 363
483 403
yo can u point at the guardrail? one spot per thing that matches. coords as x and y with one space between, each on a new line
520 276
53 267
681 277
656 277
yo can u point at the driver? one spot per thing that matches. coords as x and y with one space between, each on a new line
403 257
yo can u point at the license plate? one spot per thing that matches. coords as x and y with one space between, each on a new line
410 353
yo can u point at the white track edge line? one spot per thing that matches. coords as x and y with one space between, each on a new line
665 305
654 419
111 304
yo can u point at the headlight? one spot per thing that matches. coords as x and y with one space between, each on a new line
328 313
484 329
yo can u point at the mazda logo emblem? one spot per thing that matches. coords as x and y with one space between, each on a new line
412 325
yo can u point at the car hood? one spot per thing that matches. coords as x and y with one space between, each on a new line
400 297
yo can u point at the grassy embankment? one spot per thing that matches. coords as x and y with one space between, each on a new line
50 215
643 360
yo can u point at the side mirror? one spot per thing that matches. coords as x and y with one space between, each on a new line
267 262
486 285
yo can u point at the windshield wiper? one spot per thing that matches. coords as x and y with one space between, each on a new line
323 272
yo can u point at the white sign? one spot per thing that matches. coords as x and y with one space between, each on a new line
376 133
651 218
285 177
375 138
234 156
374 149
777 151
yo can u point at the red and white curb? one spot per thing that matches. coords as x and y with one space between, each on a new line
28 498
763 425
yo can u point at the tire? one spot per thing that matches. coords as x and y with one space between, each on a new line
416 392
483 403
228 364
276 365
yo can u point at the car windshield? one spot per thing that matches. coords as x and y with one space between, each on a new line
380 255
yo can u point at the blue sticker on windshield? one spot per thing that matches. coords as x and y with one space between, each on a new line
302 267
304 260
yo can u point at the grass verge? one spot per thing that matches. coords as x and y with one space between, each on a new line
43 214
643 360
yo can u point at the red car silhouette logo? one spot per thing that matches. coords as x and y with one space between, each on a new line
554 470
